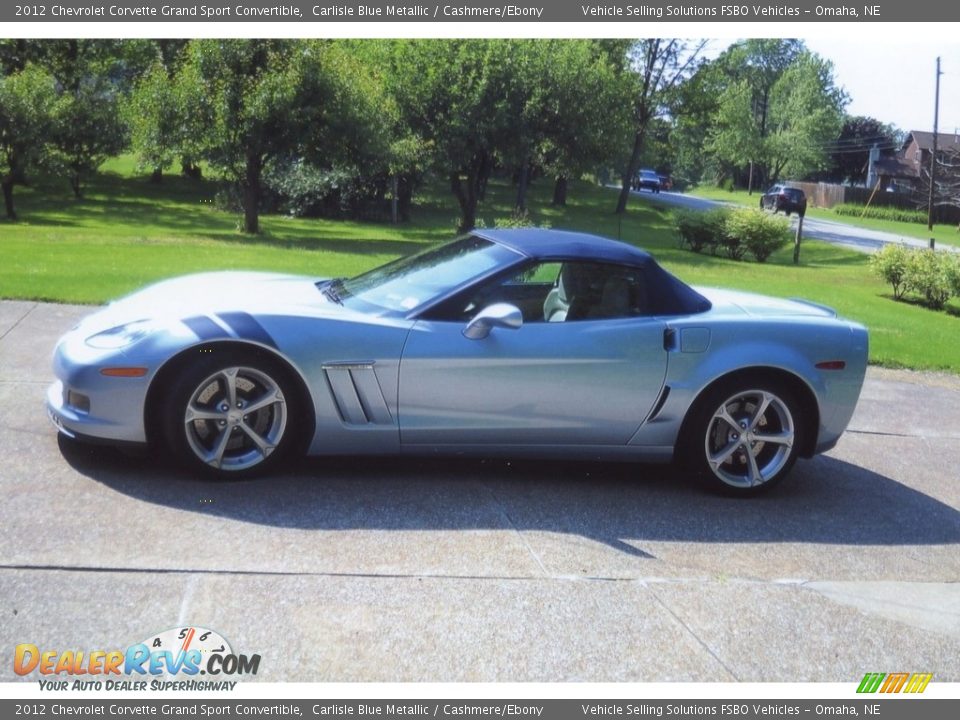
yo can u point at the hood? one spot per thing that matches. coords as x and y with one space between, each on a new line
735 302
206 293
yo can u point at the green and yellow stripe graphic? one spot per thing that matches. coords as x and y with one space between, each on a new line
894 682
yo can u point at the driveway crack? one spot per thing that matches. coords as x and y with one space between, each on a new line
694 635
20 320
506 515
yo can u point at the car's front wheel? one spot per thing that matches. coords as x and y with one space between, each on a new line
231 415
746 436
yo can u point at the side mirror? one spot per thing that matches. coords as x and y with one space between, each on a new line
501 315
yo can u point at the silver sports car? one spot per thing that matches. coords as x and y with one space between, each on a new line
503 342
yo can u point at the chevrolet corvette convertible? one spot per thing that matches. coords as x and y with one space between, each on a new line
519 343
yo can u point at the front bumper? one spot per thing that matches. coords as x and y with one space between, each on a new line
115 412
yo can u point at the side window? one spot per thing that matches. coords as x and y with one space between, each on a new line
525 289
596 291
558 292
528 290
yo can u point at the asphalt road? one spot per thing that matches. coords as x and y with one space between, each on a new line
407 570
836 233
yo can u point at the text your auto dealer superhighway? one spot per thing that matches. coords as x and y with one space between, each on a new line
171 11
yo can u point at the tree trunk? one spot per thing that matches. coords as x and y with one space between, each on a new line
7 184
156 176
523 181
190 169
404 197
466 194
394 200
484 168
76 185
560 191
251 194
632 166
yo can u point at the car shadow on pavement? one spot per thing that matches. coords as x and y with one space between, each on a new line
825 500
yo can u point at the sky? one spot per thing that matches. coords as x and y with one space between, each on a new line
893 80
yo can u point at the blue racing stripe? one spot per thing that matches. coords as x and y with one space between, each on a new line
205 328
246 327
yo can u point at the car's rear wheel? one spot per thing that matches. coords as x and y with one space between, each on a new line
231 416
745 436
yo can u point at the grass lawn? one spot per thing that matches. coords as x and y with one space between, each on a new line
127 232
942 234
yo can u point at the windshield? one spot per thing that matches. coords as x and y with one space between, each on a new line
411 282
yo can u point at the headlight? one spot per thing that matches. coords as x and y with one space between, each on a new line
122 335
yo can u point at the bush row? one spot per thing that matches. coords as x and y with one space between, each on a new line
880 212
733 232
934 276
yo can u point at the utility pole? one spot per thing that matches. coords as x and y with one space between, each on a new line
797 238
933 155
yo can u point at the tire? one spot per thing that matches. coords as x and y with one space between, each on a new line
744 436
232 415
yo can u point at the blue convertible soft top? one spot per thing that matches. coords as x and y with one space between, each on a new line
669 296
543 244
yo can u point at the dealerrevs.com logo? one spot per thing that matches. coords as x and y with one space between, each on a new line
894 682
171 660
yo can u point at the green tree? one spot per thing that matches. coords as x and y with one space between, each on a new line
265 100
164 115
16 53
658 65
778 111
455 96
735 135
26 97
690 130
850 153
583 119
86 129
91 76
805 117
758 64
467 107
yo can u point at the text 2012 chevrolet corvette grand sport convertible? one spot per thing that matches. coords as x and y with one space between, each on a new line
504 342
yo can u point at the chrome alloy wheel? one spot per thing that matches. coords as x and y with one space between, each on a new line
235 418
749 438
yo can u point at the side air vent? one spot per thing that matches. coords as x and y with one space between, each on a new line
661 401
357 393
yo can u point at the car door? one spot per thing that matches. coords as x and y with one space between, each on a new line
590 380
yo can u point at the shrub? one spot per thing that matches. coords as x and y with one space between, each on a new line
701 230
881 212
517 219
890 264
731 245
302 189
757 232
927 275
953 272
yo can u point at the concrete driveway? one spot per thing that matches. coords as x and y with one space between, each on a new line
406 570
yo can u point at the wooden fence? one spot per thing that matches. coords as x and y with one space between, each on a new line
826 195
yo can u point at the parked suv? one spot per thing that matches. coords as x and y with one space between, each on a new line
647 179
788 199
